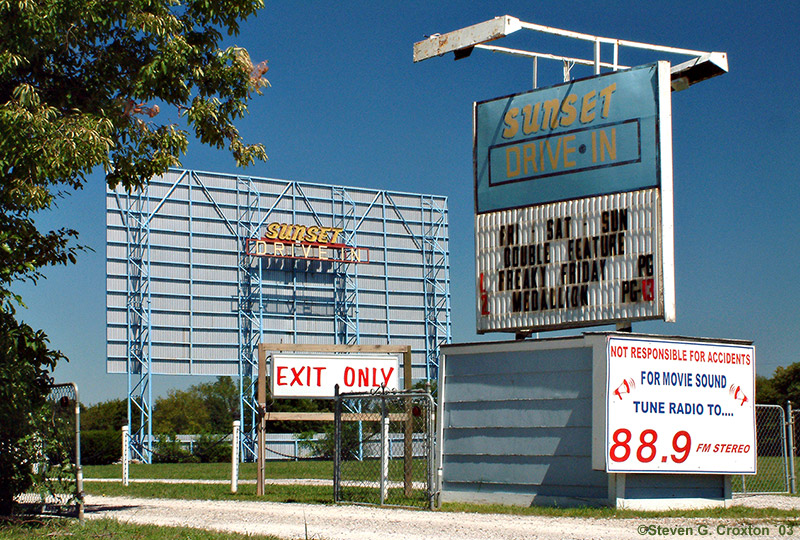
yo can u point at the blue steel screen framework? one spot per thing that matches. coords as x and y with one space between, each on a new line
185 297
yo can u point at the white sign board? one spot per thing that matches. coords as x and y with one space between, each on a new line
582 262
316 376
680 407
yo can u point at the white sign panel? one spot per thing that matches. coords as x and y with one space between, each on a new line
680 407
316 376
581 262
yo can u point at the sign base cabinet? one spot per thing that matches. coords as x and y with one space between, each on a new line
538 421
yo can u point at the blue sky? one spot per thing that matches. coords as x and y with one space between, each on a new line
347 106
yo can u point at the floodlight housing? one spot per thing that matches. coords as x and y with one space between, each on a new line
702 66
698 69
462 41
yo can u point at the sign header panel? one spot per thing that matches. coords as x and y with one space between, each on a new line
316 376
680 407
583 138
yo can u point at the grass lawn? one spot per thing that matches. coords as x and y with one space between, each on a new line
23 529
368 469
214 471
324 494
771 477
213 492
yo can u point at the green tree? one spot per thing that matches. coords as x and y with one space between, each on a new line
181 412
25 363
82 85
221 400
782 386
108 415
765 391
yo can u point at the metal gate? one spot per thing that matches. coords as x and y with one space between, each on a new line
384 449
794 446
772 454
58 477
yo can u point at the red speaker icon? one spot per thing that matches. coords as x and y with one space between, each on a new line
626 387
738 394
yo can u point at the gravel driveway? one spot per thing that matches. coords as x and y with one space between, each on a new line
359 522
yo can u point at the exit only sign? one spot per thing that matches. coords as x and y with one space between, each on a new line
316 376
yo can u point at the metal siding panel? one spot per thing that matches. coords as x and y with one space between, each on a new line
219 368
520 421
648 486
521 413
114 365
527 441
117 350
522 495
117 317
373 328
523 470
216 336
525 386
114 284
171 366
491 363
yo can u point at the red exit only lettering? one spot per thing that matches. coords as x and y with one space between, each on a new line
317 377
312 376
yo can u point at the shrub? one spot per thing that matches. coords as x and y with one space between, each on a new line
169 450
212 449
100 446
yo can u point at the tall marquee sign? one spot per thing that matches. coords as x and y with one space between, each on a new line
573 200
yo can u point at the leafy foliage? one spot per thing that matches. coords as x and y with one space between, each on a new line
221 401
82 85
107 415
100 446
211 449
324 447
212 407
169 450
25 360
299 405
182 411
782 386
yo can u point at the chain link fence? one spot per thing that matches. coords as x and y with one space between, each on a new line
772 454
58 479
384 449
794 447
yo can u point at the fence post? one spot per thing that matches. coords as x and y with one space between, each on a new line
337 442
430 423
261 396
235 456
79 471
384 454
408 429
790 441
125 455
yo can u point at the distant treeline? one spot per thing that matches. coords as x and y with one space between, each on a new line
207 409
783 386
